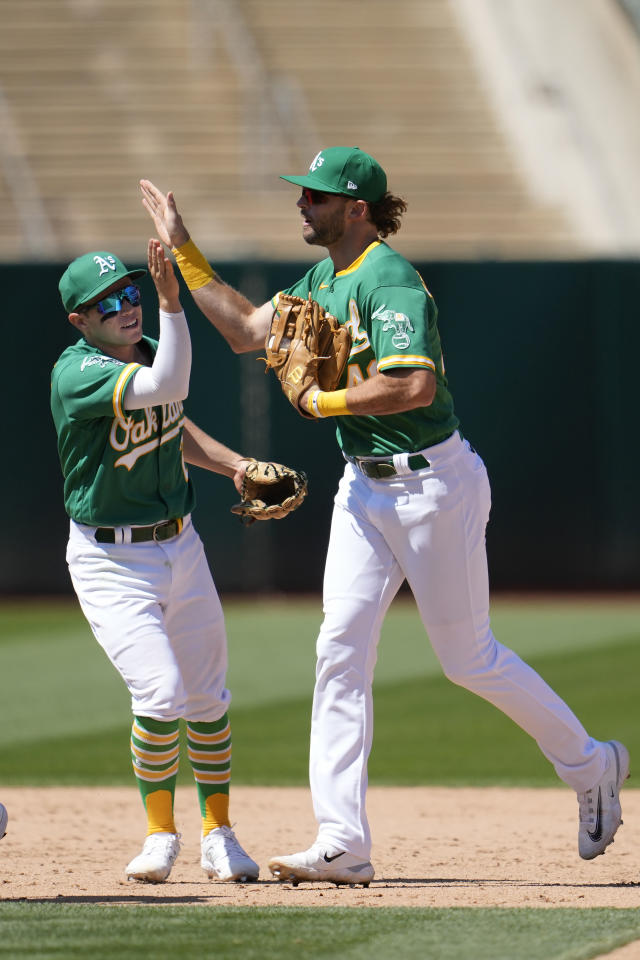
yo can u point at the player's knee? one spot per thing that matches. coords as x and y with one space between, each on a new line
478 670
165 697
350 625
348 665
468 656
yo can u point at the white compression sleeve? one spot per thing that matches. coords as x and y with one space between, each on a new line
168 377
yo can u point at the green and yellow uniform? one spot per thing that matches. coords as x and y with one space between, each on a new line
120 467
392 319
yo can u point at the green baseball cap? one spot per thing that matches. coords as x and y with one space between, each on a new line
346 170
89 275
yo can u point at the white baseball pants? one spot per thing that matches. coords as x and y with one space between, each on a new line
427 526
155 611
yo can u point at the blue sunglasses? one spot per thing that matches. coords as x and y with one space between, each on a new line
113 303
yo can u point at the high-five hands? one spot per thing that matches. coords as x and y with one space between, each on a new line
164 278
163 211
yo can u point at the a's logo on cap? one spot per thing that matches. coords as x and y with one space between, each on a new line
105 264
351 185
317 161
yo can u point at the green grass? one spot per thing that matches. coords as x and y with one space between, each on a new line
68 711
66 720
44 931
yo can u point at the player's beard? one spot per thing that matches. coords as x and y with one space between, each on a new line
327 233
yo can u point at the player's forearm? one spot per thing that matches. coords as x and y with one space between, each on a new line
203 451
385 393
394 392
167 379
233 316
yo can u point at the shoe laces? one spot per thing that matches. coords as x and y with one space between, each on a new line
586 803
162 842
223 838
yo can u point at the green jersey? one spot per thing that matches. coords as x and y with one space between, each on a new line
392 319
120 467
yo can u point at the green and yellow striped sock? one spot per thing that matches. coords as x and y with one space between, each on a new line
209 751
155 749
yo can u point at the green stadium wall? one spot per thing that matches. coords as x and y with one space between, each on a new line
542 361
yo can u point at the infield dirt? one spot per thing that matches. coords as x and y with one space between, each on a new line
433 847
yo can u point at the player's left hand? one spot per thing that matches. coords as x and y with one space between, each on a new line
306 348
238 477
270 491
164 278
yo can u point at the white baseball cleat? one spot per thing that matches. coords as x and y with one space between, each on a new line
4 820
153 864
600 811
224 859
322 862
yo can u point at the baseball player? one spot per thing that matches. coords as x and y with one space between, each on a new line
4 820
136 561
413 504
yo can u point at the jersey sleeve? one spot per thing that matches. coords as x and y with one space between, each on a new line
401 327
93 386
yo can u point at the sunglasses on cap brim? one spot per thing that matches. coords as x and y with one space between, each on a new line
113 303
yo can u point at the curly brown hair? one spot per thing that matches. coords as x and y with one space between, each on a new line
386 214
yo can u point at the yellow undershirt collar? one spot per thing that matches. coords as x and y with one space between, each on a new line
356 263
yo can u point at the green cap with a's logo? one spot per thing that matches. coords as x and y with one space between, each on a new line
346 170
89 275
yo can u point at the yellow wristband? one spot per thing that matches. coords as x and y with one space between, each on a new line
322 403
193 266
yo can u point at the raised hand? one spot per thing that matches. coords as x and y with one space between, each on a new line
162 274
163 211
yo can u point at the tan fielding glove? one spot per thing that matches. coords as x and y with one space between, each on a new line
305 346
270 491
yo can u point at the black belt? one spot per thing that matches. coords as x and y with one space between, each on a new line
157 531
379 469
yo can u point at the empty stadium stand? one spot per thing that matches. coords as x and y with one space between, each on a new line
215 98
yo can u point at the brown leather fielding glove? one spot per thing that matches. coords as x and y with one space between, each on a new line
305 346
270 491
